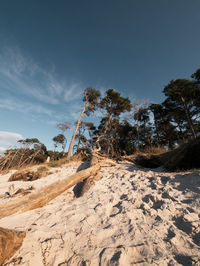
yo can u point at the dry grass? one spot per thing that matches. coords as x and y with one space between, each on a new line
155 150
63 161
150 151
146 153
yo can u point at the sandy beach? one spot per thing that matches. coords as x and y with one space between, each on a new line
131 216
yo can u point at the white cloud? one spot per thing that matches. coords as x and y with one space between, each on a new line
8 139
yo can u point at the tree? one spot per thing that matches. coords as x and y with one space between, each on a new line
28 142
91 97
114 105
64 126
81 138
126 138
91 129
196 94
196 76
156 109
143 127
59 140
182 94
164 131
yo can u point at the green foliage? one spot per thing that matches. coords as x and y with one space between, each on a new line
143 128
181 101
196 75
114 104
91 97
59 139
28 142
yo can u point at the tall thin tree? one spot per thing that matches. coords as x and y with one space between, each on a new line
91 97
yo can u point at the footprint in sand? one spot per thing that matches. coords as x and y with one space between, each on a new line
170 235
117 209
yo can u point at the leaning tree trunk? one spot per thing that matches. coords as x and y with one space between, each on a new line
108 137
188 118
75 132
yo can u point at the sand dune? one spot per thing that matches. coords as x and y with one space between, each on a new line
131 216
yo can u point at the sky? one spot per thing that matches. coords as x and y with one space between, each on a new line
50 51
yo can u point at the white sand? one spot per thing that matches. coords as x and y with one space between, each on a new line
129 217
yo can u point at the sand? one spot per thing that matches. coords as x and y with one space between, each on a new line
131 216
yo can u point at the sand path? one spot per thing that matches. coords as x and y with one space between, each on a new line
129 217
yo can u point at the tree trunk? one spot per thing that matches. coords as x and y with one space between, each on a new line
156 127
188 117
75 132
108 138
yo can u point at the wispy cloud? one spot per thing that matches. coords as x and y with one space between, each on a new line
27 87
20 74
24 107
8 139
73 92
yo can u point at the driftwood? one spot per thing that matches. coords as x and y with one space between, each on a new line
10 242
44 195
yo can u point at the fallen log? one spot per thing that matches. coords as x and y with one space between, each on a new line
46 194
10 242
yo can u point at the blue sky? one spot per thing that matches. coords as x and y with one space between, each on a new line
50 51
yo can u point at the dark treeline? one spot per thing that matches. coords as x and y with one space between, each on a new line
169 124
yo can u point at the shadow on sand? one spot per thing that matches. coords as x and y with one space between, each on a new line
78 188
